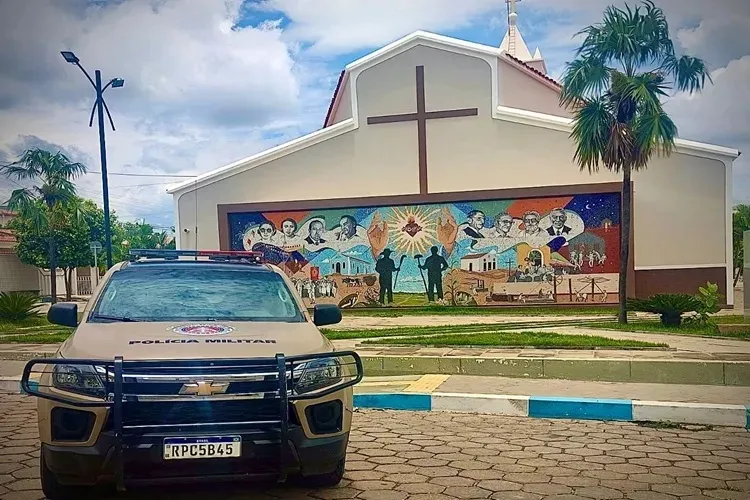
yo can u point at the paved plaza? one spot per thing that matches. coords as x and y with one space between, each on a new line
441 456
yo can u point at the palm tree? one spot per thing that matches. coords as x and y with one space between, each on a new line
44 205
624 67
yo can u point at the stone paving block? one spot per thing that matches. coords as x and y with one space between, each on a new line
736 373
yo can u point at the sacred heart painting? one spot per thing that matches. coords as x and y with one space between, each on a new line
561 249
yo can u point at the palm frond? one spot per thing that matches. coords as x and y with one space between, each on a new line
618 150
654 132
583 78
20 199
591 131
690 73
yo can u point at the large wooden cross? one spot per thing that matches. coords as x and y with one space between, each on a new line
421 117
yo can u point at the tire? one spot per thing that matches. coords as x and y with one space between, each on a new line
52 488
328 480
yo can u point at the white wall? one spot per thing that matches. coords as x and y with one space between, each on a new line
680 205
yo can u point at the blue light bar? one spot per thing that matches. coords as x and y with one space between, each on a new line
219 255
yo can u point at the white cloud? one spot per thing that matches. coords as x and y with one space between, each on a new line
342 26
721 115
198 93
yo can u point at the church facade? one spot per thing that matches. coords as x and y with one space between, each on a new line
444 173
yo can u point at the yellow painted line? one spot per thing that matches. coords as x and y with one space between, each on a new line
382 384
427 383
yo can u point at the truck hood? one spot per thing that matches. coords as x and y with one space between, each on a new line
144 341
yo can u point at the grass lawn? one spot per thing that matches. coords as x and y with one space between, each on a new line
53 337
395 312
13 326
656 327
540 340
335 334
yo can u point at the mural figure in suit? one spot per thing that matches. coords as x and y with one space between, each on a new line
558 227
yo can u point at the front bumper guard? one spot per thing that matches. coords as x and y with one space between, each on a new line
126 382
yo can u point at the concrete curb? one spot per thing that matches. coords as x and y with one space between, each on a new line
622 410
659 371
662 371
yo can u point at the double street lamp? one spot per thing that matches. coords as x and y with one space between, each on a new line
100 106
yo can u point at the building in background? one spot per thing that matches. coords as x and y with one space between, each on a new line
435 142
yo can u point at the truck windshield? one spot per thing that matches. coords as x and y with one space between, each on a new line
195 293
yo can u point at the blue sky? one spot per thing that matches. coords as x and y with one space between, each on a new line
211 81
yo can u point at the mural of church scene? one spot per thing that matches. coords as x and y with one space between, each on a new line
495 252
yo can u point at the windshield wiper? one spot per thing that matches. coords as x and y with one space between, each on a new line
114 318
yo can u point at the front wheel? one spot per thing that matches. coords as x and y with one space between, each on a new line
54 490
327 480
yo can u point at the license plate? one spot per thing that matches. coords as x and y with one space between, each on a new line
202 447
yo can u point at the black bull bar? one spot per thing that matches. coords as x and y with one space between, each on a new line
125 383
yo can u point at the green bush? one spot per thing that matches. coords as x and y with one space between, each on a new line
671 306
17 306
709 299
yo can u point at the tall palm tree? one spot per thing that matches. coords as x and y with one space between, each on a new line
44 204
624 67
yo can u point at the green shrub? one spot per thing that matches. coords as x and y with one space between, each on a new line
17 306
709 299
671 306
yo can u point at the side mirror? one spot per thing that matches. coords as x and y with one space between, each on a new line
326 314
63 314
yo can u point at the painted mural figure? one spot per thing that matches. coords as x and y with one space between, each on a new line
503 226
531 221
347 228
289 237
315 233
385 269
475 219
558 227
435 265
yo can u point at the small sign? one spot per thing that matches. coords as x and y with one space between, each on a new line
95 246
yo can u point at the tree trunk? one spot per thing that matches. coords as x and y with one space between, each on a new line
737 274
625 222
53 269
68 273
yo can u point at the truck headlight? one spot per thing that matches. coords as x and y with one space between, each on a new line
81 379
316 374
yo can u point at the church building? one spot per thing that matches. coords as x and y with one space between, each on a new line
435 151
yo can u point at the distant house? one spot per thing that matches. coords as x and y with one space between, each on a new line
479 262
348 265
15 276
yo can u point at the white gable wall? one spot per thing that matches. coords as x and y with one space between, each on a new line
680 202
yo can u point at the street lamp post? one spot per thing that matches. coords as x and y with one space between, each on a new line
100 106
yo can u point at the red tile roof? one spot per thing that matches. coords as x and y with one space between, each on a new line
532 69
7 236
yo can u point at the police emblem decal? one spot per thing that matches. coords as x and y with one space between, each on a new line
202 329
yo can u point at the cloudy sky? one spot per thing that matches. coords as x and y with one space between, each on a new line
208 82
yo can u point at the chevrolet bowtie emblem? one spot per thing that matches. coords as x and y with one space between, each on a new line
204 388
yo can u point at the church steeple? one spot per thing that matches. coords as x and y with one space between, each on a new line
514 44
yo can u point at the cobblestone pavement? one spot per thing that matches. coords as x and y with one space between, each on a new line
441 456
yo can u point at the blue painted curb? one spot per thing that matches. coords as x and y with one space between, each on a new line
622 410
578 408
398 401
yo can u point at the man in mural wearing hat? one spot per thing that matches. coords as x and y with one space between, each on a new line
435 264
385 269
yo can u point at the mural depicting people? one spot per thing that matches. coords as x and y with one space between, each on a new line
503 226
385 268
356 250
288 237
531 221
475 221
347 228
315 232
435 265
558 227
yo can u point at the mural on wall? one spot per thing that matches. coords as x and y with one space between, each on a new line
535 250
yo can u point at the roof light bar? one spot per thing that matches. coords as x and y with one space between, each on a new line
221 255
